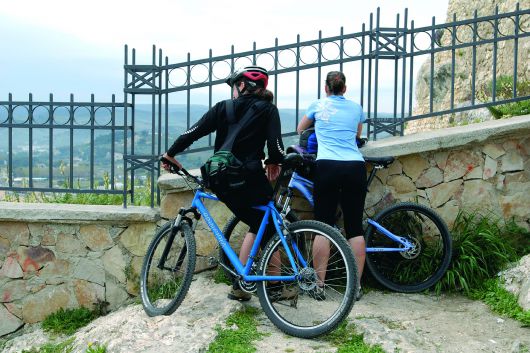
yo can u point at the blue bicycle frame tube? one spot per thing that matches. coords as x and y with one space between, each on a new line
269 210
407 245
302 185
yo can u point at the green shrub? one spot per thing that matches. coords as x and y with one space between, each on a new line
504 90
68 321
482 246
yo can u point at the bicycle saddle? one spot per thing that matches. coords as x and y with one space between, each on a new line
380 161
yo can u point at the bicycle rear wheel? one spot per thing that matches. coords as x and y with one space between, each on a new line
304 308
167 269
419 268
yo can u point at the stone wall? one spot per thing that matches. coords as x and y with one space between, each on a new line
67 256
464 9
484 167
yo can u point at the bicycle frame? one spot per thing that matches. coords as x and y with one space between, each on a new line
305 187
244 271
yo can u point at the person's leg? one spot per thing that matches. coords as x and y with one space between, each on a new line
352 203
326 197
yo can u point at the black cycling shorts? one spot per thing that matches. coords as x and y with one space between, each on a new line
340 183
257 191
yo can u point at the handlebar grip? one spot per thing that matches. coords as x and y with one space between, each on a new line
173 168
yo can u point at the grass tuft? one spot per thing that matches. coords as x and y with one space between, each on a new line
68 321
219 276
346 339
501 301
240 332
63 347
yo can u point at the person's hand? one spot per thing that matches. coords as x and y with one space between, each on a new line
272 171
172 159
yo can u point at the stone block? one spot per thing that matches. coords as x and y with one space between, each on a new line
114 263
441 159
414 165
432 177
11 268
172 202
480 195
90 270
512 161
115 295
442 193
88 293
96 237
133 275
13 290
5 245
16 232
493 150
70 244
205 241
56 268
375 194
15 309
55 297
395 168
490 168
448 212
401 184
516 200
461 163
8 322
475 173
136 237
34 258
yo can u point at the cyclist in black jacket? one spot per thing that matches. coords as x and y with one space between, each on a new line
248 86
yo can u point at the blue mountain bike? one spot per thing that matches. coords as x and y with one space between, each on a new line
298 298
408 246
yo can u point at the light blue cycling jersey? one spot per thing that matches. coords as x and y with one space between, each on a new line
336 121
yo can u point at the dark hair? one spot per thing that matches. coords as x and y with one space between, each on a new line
335 81
267 95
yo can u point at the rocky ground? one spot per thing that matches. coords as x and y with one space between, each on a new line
397 322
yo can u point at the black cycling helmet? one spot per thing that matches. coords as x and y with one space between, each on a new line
254 76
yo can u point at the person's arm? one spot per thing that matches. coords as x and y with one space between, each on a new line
359 130
304 124
203 127
275 147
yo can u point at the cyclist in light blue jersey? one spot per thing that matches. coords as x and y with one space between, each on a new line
340 176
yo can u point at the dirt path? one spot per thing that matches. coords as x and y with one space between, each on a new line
398 322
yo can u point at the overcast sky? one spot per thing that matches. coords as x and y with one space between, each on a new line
65 46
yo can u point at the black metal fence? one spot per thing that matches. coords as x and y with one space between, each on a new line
381 63
73 147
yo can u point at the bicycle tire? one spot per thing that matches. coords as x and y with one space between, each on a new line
298 308
228 230
159 297
419 268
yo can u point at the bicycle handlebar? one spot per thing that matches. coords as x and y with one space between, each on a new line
174 169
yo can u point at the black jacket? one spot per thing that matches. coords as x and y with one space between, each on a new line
250 142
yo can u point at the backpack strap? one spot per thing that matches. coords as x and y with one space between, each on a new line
234 126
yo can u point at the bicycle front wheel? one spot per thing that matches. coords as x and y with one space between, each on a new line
322 294
418 268
167 269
